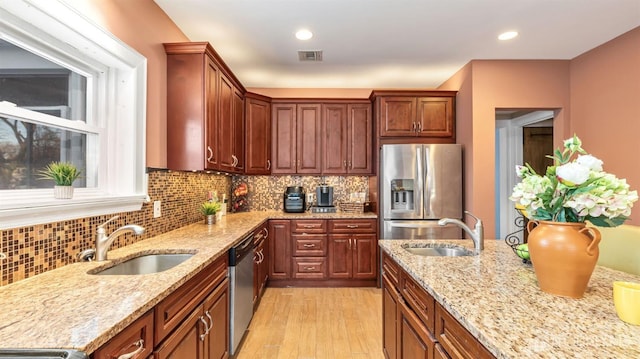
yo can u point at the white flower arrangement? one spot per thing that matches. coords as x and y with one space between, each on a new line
574 190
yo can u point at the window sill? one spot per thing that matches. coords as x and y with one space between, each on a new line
64 209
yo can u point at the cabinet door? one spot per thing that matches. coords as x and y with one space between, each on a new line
435 116
390 299
238 132
258 137
415 342
211 103
136 338
340 257
279 249
359 156
216 312
309 139
364 256
334 137
225 124
283 140
185 341
397 116
264 265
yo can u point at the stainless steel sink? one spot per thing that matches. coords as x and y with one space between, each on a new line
439 250
146 264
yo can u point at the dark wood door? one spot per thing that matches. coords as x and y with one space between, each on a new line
360 143
185 341
397 116
211 127
537 143
225 124
340 256
279 249
435 116
335 139
283 143
238 132
309 139
216 313
264 266
258 136
390 299
364 256
414 339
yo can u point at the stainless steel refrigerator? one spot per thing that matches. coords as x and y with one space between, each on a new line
420 184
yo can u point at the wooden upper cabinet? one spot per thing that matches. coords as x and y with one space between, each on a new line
309 138
204 101
296 138
426 114
257 135
360 143
283 140
335 138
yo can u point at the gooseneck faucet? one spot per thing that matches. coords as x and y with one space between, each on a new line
103 242
477 234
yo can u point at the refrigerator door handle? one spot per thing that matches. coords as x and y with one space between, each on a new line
418 195
428 182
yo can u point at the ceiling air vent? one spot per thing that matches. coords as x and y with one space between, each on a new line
310 55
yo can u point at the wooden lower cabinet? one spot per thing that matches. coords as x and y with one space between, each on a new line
422 327
279 249
260 263
216 309
136 339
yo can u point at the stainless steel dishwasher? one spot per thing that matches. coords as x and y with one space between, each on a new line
241 292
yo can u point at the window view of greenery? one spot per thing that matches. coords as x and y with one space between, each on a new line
26 147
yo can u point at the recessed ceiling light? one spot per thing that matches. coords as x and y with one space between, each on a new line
507 35
304 34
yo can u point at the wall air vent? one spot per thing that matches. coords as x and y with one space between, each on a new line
314 55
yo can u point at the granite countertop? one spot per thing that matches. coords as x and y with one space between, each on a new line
496 297
68 308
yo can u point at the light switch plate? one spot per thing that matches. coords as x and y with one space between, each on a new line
157 209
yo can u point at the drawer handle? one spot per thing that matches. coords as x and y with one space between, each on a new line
139 344
308 226
309 268
206 329
210 320
352 226
309 245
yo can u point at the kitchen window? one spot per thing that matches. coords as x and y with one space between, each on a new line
69 91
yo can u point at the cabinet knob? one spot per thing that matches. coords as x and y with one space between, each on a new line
139 344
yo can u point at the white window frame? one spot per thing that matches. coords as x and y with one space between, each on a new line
116 80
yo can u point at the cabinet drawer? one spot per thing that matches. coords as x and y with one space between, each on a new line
309 245
310 267
174 309
419 300
137 336
455 339
309 226
390 269
352 226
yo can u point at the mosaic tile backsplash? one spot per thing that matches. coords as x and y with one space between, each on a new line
265 192
35 249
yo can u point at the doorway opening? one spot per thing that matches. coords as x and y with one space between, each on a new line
522 136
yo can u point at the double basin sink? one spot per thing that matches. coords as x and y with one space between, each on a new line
144 264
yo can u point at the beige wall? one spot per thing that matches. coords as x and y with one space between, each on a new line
605 106
143 26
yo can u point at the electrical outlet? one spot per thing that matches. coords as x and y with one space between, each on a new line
309 198
157 209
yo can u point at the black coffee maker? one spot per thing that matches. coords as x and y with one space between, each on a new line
324 195
295 199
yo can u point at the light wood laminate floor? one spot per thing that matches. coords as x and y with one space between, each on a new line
316 323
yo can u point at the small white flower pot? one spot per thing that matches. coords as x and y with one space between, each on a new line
63 192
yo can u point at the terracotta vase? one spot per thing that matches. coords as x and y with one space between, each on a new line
563 256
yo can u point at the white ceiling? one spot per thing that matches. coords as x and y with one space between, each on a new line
392 43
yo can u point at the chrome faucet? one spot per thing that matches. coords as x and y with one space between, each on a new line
103 242
477 234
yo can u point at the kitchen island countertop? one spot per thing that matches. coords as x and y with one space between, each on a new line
68 308
496 298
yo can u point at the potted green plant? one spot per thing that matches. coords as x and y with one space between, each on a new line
63 174
209 210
